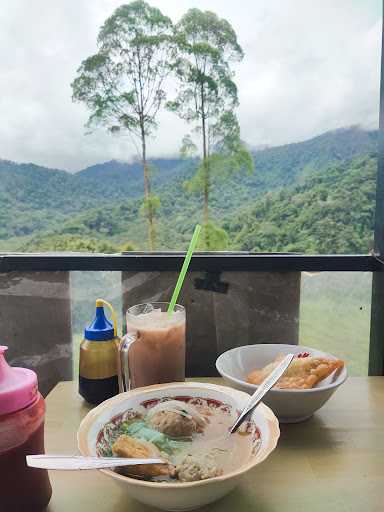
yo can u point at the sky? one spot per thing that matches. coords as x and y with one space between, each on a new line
309 67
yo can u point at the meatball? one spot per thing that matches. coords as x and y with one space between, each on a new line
173 423
127 446
194 468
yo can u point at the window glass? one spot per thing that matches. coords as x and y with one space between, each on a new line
268 138
86 287
43 314
335 309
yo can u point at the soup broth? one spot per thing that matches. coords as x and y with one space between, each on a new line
191 433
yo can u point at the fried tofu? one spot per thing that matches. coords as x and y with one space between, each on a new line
127 446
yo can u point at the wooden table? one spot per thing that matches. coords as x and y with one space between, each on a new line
334 462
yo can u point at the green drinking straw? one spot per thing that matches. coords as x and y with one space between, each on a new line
184 269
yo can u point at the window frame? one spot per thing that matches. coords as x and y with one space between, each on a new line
209 262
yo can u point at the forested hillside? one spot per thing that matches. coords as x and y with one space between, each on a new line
331 212
297 199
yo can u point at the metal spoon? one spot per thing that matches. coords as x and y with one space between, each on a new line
262 390
74 462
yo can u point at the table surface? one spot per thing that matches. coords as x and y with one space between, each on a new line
333 462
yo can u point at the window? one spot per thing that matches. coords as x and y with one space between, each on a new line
278 137
108 145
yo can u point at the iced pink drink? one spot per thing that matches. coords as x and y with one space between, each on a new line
157 354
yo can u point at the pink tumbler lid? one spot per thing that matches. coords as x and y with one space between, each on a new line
18 386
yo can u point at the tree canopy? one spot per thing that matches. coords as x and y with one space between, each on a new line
123 83
206 98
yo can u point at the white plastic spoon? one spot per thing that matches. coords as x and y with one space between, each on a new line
76 462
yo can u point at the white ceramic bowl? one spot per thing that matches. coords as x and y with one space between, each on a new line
290 406
179 496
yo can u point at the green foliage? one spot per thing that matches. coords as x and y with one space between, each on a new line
331 212
123 84
127 247
229 153
70 243
152 202
206 46
188 147
213 238
206 97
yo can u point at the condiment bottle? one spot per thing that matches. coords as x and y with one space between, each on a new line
98 378
22 411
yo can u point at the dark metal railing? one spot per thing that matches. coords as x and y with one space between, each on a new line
211 262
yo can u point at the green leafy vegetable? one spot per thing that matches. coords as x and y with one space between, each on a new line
140 430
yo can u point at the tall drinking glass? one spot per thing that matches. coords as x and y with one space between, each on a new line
153 351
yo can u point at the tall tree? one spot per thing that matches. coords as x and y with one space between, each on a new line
123 83
206 98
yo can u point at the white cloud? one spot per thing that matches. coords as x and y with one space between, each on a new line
309 67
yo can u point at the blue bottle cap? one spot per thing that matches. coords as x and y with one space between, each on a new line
101 329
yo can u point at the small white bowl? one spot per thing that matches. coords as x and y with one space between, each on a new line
289 405
179 496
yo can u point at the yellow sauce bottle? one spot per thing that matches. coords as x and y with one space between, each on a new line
98 373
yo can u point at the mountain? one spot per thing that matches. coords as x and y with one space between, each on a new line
312 217
316 216
120 179
31 197
293 161
102 202
36 187
35 198
274 167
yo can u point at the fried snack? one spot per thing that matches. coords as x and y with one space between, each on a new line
303 373
127 446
